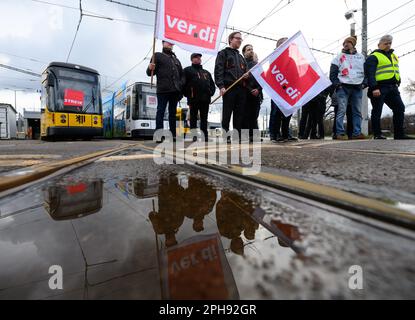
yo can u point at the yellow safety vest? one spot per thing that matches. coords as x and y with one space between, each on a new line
387 70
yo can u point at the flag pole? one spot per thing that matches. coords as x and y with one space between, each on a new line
153 59
233 85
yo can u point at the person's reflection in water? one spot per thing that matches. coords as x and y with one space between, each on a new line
200 199
233 217
170 216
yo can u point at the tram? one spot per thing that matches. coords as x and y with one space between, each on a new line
131 112
71 102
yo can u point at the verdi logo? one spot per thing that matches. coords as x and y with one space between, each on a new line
290 75
184 24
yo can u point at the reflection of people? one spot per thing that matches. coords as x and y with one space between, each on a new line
199 201
170 216
232 217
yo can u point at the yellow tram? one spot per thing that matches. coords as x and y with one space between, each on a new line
71 102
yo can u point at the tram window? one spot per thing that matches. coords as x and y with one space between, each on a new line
136 106
128 102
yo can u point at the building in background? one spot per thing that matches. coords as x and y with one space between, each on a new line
8 128
32 124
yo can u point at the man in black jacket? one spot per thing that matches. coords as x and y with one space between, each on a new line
382 72
230 66
170 79
254 94
199 88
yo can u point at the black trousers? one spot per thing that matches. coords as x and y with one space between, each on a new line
315 124
234 102
203 109
252 109
282 124
305 115
392 98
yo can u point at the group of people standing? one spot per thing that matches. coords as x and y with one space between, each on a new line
350 74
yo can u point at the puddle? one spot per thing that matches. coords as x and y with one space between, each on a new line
175 235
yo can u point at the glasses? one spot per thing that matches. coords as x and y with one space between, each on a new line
238 38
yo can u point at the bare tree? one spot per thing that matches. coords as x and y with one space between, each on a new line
410 88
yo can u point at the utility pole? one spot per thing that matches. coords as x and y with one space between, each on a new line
365 105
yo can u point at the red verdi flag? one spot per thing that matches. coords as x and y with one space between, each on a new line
194 25
291 75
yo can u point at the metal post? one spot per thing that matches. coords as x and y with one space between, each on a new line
365 105
353 29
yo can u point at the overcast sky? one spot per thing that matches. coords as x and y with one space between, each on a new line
33 33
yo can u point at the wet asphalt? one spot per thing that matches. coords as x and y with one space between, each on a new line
135 230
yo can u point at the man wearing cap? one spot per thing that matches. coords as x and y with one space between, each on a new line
170 78
198 89
348 77
382 72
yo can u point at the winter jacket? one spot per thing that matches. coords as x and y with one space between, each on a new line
230 66
169 72
371 67
199 85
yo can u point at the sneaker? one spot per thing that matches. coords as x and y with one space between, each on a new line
342 137
292 139
380 138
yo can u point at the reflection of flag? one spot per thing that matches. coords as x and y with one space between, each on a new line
198 270
290 75
194 25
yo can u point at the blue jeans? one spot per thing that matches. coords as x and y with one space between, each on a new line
354 96
172 99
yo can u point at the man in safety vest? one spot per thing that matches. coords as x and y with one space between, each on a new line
382 72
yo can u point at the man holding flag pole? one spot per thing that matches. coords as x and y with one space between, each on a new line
230 69
290 75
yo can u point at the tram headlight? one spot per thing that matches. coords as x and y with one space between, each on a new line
96 120
63 118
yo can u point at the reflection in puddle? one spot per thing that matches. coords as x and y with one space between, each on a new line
73 200
196 266
199 230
